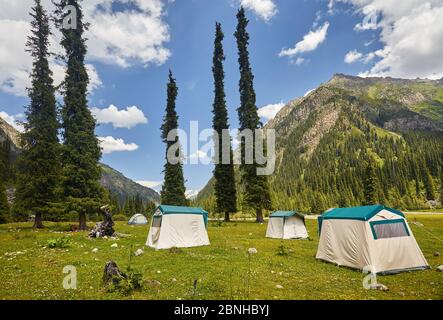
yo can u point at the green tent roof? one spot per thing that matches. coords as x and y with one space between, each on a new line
357 213
286 214
181 210
184 210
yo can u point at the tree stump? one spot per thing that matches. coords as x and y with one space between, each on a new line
104 228
112 273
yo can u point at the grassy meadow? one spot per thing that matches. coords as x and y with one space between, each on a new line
280 270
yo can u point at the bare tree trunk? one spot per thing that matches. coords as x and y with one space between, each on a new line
259 213
227 217
38 221
82 222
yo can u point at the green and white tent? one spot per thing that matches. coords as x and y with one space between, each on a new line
372 238
179 227
138 219
287 225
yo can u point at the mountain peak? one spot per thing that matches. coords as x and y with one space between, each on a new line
341 77
9 132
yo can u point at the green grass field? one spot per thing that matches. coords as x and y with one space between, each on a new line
223 270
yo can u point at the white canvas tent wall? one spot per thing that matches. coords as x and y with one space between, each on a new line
375 238
286 225
179 227
138 219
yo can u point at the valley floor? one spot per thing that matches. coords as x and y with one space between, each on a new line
223 270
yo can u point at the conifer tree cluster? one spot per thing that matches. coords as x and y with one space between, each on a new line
4 205
131 206
53 178
4 177
356 165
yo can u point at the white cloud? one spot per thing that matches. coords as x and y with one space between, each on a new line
110 144
370 20
129 36
156 185
412 36
124 118
16 63
353 56
94 79
269 111
265 9
310 42
12 120
299 61
330 6
136 34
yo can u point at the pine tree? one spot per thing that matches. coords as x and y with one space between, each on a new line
114 203
441 186
150 207
370 184
139 206
257 193
173 190
81 149
39 171
4 160
429 184
225 189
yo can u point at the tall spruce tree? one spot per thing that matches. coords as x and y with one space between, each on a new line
256 188
370 184
81 149
225 189
39 171
173 190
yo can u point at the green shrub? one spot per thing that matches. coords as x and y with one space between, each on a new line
120 217
132 282
282 250
217 224
58 243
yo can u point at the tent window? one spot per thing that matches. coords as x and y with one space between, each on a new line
389 229
157 222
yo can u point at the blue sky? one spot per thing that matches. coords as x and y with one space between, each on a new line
295 46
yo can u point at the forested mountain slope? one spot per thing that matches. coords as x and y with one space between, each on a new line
327 140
